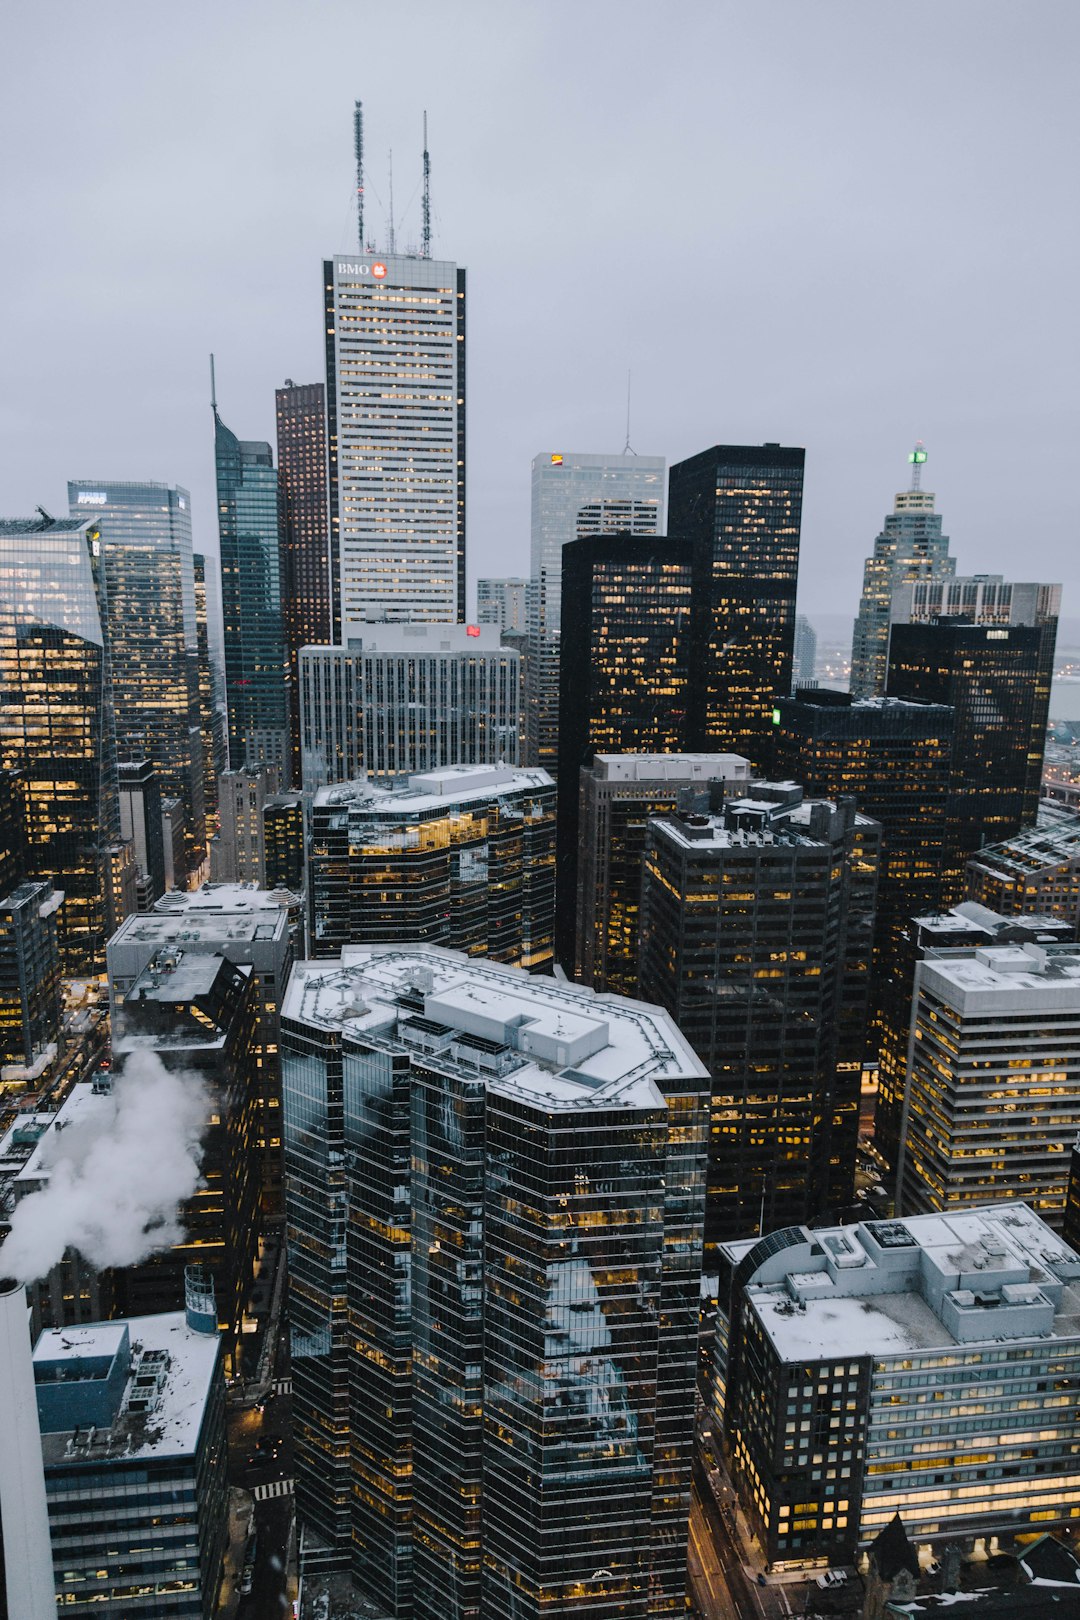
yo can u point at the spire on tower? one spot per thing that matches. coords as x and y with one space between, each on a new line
358 135
916 458
213 387
425 240
393 238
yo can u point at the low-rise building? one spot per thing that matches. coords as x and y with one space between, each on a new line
925 1366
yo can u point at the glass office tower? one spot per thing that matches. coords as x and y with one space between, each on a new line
256 658
305 530
56 719
153 642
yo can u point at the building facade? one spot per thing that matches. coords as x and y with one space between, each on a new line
56 719
575 497
618 794
238 853
913 1367
740 508
153 640
212 728
463 857
502 602
756 936
395 397
624 682
256 656
910 547
1037 871
804 658
141 826
992 1105
408 698
305 532
494 1227
29 982
132 1417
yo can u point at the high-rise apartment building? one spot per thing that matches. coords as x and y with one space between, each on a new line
1037 870
910 547
141 826
624 680
132 1418
895 757
56 719
968 924
305 531
494 1196
992 1105
919 1367
617 795
149 574
740 508
756 936
502 602
575 497
395 398
804 658
462 857
406 698
256 656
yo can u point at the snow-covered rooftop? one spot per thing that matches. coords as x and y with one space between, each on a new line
433 790
671 767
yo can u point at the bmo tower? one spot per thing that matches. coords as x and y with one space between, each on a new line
395 400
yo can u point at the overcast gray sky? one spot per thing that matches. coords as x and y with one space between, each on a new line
842 224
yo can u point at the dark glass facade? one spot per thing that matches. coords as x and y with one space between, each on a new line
305 531
756 935
740 507
624 682
494 1291
56 719
153 642
213 741
256 658
140 823
29 974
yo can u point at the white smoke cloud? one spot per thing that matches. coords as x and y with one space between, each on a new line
115 1182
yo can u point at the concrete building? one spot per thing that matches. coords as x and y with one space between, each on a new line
756 936
407 697
495 1191
575 497
992 1105
395 395
922 1366
1038 870
249 928
238 852
502 602
617 795
462 857
132 1417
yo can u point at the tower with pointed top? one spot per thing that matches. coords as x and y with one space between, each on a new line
910 547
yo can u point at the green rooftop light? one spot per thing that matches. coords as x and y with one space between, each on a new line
776 717
917 456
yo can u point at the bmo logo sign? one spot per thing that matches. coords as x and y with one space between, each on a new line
346 267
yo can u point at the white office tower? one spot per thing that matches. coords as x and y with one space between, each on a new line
502 602
395 398
24 1515
574 496
398 699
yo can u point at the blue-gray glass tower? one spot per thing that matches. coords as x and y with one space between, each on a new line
494 1196
56 719
153 643
256 657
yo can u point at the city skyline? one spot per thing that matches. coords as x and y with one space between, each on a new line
945 329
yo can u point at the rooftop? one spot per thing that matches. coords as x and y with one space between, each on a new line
429 639
427 790
1032 851
221 897
203 925
671 767
556 1045
988 980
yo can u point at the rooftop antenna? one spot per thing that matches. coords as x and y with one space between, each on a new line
393 243
628 450
358 142
213 387
425 239
916 458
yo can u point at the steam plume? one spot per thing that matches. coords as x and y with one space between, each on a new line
115 1182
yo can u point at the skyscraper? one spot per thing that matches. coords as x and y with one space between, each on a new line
804 661
395 395
910 547
624 674
740 507
494 1200
153 637
756 936
305 531
214 741
256 658
56 718
141 825
1034 871
574 497
502 602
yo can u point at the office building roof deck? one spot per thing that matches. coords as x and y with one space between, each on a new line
671 767
1003 979
1037 849
432 790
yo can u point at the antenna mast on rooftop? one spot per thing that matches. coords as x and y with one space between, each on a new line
213 387
425 241
358 137
628 450
393 239
917 457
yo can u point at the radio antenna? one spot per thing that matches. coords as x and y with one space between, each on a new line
627 448
425 241
358 139
393 241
